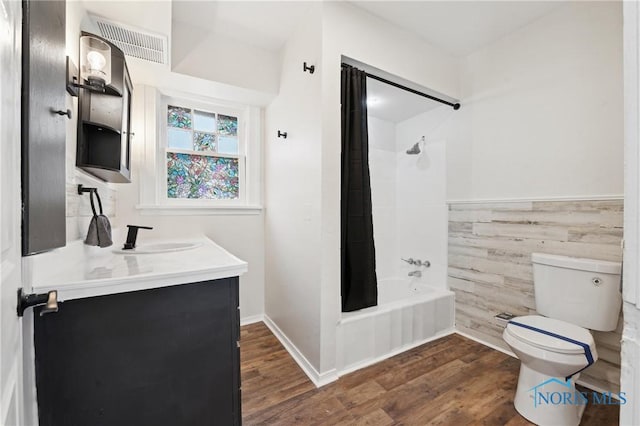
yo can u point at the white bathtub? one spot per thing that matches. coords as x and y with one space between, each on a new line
409 313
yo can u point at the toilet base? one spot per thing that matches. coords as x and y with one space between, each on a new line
555 403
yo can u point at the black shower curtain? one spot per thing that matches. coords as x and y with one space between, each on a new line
359 284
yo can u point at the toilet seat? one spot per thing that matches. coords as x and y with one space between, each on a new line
543 333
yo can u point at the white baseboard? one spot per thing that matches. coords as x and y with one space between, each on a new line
371 361
318 379
251 319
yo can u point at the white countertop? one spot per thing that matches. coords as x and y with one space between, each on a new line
79 271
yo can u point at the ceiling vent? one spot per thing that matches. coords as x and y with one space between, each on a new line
133 41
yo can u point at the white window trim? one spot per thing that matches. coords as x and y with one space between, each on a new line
152 171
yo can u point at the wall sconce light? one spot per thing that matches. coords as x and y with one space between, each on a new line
95 62
95 66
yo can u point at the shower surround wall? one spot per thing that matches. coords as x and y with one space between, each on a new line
382 167
408 197
409 220
490 270
421 209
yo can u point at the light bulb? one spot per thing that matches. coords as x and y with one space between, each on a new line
96 60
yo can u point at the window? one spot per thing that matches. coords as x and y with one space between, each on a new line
198 155
203 156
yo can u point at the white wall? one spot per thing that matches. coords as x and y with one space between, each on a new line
242 235
382 168
421 213
292 195
541 110
349 31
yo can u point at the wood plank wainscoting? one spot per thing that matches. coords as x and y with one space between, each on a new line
490 246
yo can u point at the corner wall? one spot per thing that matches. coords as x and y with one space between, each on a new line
292 197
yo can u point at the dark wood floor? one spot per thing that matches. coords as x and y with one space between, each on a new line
451 381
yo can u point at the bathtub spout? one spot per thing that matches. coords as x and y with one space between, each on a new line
416 274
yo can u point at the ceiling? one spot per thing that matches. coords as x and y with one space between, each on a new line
264 24
392 104
459 27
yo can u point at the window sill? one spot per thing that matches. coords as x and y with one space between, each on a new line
172 210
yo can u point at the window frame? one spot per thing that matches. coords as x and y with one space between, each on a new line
164 149
150 109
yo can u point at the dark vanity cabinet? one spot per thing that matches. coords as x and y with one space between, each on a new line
166 356
44 122
104 125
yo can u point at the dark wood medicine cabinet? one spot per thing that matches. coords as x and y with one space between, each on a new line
104 124
44 123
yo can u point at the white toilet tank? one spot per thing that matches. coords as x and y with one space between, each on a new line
585 292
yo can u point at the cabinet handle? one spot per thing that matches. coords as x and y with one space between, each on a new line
61 112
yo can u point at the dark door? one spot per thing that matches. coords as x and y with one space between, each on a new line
43 128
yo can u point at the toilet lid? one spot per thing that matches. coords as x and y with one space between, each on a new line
544 333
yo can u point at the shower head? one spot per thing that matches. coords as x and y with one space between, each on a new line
414 150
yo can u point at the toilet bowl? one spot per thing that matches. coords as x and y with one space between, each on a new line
552 354
572 296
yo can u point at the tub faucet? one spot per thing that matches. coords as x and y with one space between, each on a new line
416 274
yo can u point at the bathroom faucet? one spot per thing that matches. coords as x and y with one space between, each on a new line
132 235
417 262
416 274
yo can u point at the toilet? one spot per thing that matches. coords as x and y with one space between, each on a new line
572 296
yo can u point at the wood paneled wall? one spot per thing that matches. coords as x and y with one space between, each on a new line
490 246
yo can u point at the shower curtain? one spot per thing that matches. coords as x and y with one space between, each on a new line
358 260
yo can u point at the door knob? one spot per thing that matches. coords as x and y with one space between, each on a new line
61 112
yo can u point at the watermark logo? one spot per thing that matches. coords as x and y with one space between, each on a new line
556 391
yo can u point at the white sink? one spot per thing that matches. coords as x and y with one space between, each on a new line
160 248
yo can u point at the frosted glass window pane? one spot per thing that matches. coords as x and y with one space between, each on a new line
227 125
228 144
204 121
181 139
202 177
179 117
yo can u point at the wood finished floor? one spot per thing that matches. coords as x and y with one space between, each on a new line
451 381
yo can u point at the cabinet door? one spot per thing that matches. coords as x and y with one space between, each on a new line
162 357
125 139
43 129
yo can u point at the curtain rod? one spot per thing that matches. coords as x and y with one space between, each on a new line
455 106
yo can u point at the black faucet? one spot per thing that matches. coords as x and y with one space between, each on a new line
132 235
